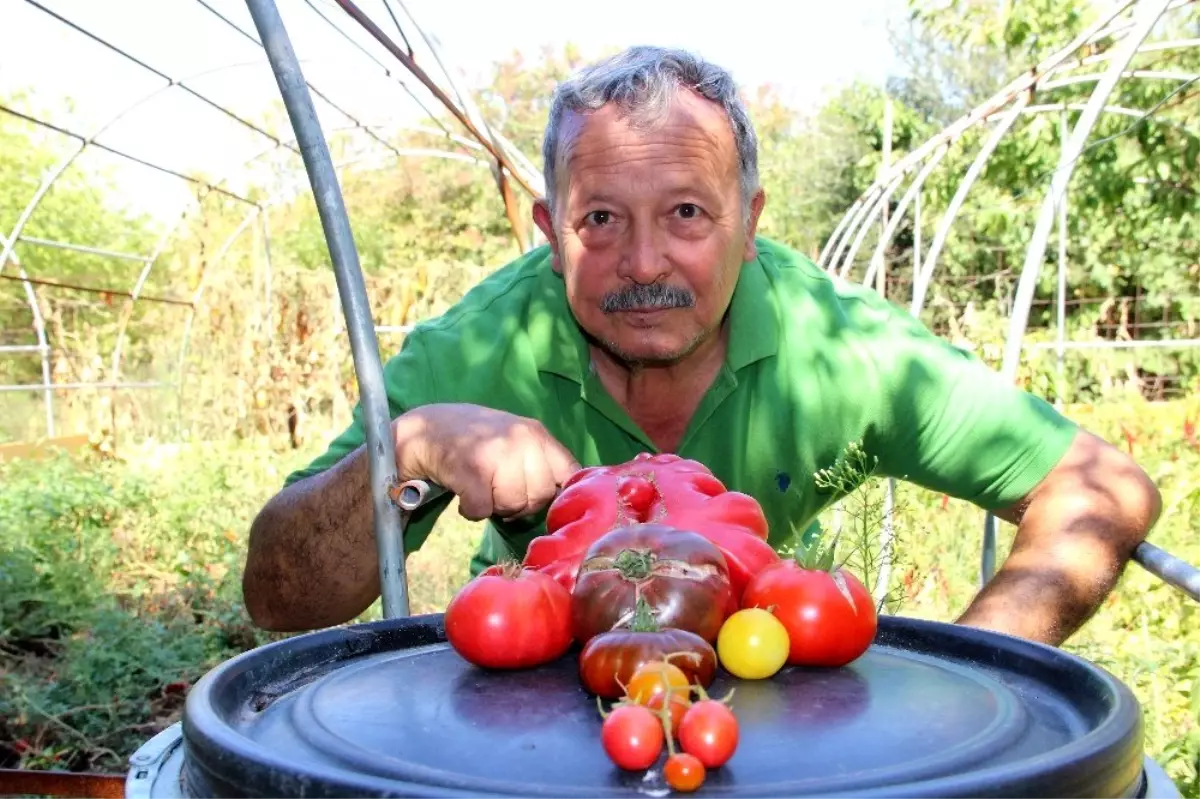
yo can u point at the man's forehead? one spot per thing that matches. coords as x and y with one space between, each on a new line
686 113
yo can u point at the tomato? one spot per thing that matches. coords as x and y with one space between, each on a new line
655 679
676 710
632 737
681 574
609 660
660 489
753 644
829 615
510 618
684 772
709 731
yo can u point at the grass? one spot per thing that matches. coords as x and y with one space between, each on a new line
120 586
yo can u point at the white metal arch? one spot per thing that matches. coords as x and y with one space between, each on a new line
1129 24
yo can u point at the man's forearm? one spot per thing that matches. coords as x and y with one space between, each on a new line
1047 596
312 560
1076 533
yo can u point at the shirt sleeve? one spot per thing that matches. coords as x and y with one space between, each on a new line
409 382
948 422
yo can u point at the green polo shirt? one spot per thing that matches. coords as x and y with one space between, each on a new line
812 364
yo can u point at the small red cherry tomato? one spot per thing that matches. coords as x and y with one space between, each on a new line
709 732
684 772
632 737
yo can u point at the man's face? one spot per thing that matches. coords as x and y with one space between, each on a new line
649 232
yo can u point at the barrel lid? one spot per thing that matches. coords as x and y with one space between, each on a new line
389 708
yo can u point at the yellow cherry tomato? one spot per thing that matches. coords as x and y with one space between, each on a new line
753 644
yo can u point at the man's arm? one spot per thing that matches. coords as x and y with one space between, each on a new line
1076 531
312 560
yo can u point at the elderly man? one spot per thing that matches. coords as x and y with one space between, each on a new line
655 319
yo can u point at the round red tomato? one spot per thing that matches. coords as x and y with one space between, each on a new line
830 616
632 737
709 732
680 573
510 618
684 772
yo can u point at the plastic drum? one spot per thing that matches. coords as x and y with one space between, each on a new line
389 709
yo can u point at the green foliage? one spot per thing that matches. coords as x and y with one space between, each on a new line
119 586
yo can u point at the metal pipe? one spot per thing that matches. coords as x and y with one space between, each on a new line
22 348
913 193
1178 343
39 326
1060 332
37 281
1145 16
388 523
78 386
1170 569
62 245
922 277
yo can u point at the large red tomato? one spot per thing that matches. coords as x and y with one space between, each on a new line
510 618
681 575
659 489
829 615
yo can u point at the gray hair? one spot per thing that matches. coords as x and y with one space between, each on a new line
642 81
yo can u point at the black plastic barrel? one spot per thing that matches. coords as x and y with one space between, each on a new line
389 709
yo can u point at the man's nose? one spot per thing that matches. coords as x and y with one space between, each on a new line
645 259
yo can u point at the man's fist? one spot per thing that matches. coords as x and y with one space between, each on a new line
497 464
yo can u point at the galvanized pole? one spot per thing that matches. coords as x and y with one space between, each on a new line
1061 321
389 525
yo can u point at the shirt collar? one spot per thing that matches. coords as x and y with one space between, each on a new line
559 346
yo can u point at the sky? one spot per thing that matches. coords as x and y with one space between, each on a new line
804 51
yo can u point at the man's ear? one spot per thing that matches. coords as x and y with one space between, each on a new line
541 218
750 250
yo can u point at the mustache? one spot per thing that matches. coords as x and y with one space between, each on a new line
641 296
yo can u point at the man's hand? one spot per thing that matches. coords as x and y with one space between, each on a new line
1075 533
312 560
497 464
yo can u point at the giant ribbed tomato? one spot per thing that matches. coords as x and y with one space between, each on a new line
657 489
681 575
510 617
829 615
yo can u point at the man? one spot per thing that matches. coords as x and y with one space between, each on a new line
657 320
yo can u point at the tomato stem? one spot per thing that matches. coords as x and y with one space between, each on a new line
634 564
643 620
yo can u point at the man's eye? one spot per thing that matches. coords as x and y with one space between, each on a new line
599 217
688 211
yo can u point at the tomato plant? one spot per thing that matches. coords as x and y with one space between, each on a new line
709 731
681 574
658 489
609 660
684 772
632 737
753 644
830 616
510 617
